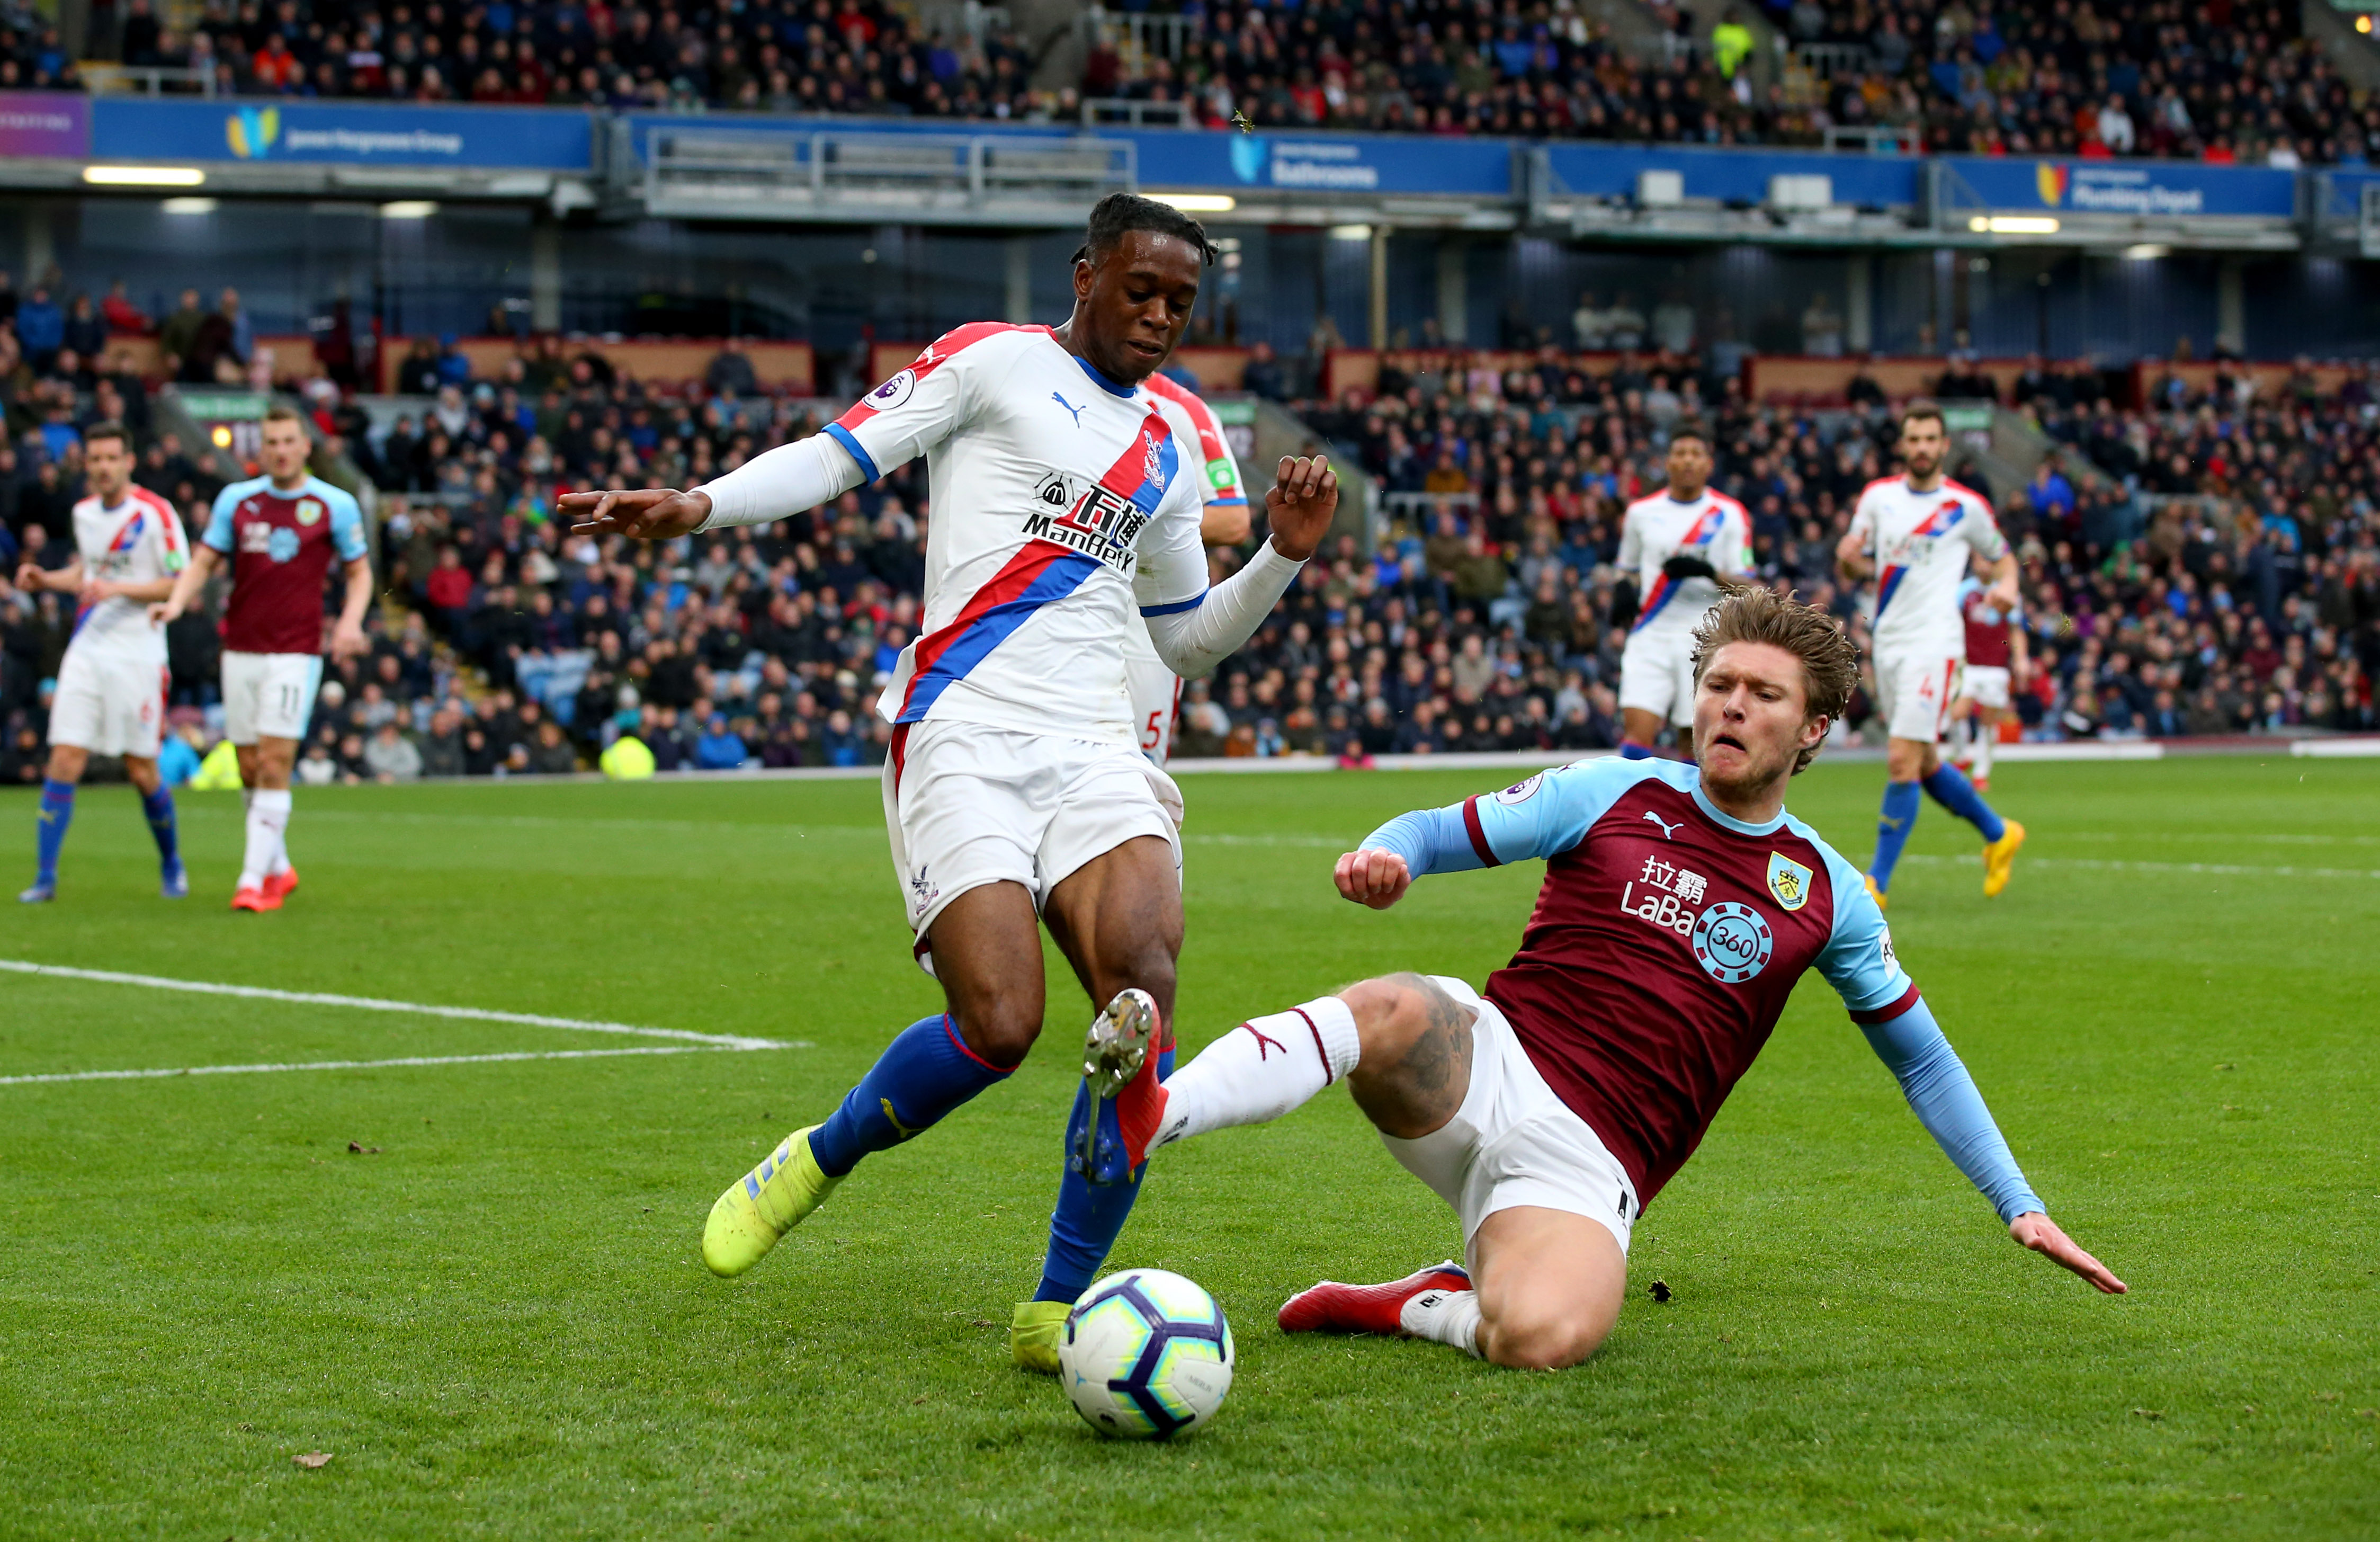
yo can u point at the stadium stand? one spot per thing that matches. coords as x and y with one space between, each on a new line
2236 80
2203 562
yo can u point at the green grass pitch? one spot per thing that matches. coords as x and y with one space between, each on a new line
499 1325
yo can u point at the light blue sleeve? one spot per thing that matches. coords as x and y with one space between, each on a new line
1943 1095
1547 813
218 531
1858 960
346 521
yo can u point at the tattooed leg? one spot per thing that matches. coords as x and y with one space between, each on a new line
1416 1054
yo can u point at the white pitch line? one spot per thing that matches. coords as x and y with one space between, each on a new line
378 1064
373 1004
2224 869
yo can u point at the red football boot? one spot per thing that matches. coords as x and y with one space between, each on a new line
1331 1307
281 885
256 900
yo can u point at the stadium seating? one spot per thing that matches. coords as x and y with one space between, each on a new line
2201 562
2232 81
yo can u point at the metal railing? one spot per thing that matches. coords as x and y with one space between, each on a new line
723 168
103 79
1826 60
1149 36
1124 111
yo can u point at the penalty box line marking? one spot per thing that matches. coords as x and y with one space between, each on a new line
373 1004
380 1064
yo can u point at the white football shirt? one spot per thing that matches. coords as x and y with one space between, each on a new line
1713 526
1062 503
1920 544
136 542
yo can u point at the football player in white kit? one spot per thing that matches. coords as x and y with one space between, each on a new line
1066 497
111 694
1681 542
1915 534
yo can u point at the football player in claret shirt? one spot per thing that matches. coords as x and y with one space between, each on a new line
1915 535
111 696
1681 905
280 533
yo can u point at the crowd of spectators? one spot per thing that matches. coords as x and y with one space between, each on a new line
2232 80
761 56
2202 564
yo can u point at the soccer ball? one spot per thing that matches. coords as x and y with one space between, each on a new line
1147 1355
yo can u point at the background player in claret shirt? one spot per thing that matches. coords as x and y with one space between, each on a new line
1681 905
1997 664
110 697
280 533
1915 534
1680 542
1066 497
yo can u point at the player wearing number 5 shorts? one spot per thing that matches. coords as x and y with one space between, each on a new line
279 532
1681 542
111 696
1915 535
1155 689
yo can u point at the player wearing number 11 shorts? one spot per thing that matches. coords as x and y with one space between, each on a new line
279 532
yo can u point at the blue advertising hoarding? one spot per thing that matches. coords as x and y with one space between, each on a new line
1733 175
354 133
2160 188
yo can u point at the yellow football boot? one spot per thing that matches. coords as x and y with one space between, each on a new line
1877 894
1034 1333
764 1205
1999 857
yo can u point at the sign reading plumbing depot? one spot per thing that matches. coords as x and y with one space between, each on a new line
2131 188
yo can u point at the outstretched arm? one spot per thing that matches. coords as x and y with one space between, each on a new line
1944 1097
1544 813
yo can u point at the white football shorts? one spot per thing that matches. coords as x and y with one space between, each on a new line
109 705
1912 694
1985 685
269 695
1656 674
967 805
1514 1142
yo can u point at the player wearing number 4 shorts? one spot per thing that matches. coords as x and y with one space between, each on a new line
111 694
1681 542
1915 535
1067 507
1681 906
279 532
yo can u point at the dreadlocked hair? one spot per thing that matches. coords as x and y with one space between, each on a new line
1119 215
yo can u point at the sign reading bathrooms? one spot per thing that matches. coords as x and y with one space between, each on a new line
1324 164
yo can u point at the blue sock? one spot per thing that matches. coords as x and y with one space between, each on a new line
924 1073
1089 1217
58 812
1635 752
1901 803
1954 792
159 807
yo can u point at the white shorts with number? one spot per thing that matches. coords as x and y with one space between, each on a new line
109 705
1985 685
1512 1142
1913 692
1656 674
269 695
966 806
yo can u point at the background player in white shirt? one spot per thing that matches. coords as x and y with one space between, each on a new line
1915 533
1157 690
1064 496
111 696
1680 541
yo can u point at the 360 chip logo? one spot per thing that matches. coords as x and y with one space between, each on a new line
1732 942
